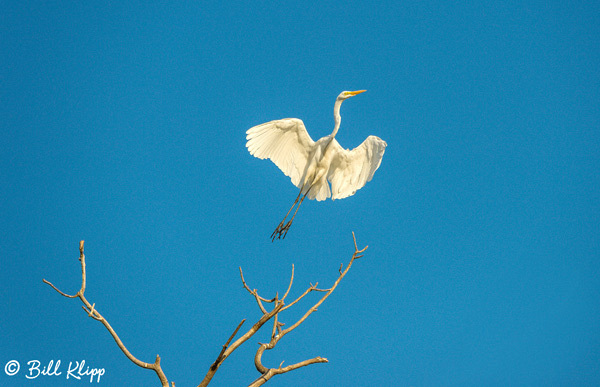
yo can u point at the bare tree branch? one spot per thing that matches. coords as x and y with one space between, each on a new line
312 288
61 293
265 317
356 255
290 285
268 373
277 333
92 312
254 292
217 362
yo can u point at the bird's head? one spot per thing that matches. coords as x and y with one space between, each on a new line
347 94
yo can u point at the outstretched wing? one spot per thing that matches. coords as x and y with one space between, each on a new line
286 142
350 170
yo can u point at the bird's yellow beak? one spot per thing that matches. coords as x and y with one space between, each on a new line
353 93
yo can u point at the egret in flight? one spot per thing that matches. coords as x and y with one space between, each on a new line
311 164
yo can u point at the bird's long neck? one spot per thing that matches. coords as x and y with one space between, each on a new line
337 116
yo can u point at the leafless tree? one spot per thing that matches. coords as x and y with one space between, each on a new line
277 330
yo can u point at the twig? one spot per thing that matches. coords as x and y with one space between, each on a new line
290 285
61 293
254 292
218 361
312 288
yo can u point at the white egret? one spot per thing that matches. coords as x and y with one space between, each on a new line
311 164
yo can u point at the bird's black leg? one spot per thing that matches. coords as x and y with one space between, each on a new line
281 227
289 224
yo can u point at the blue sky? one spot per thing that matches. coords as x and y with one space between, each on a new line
124 125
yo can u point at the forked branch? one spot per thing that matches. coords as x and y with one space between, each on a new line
91 311
225 354
277 333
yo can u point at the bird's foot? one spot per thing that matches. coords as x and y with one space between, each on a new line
281 231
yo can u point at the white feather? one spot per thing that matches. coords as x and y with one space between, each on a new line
286 142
